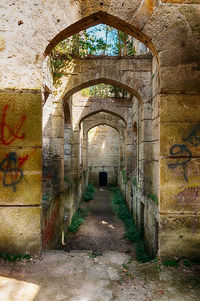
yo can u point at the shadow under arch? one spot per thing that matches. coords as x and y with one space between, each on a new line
95 19
67 114
101 81
102 111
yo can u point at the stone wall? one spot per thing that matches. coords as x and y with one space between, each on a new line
103 153
20 172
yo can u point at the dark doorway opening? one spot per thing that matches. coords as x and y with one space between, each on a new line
103 178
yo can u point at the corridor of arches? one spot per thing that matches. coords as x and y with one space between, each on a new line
60 108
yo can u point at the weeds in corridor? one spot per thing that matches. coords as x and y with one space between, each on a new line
131 231
77 220
10 257
79 216
89 194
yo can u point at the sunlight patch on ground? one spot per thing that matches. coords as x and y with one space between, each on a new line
16 290
108 225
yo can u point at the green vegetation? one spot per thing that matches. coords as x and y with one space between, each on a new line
125 179
131 231
176 262
94 254
100 39
89 194
77 220
9 257
68 180
153 197
105 90
134 181
171 263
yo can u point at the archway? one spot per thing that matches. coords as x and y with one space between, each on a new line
97 18
103 155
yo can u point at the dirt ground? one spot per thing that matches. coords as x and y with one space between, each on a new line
101 230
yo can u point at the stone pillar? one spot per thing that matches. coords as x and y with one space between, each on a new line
179 176
67 149
20 171
179 107
58 148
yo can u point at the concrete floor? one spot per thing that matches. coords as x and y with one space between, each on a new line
75 276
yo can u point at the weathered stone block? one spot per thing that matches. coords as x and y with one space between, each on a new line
26 192
21 119
146 130
155 177
176 108
156 150
180 139
156 129
20 230
179 237
180 199
156 106
172 176
146 151
58 127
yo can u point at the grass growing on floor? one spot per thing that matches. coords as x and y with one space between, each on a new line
77 220
9 257
89 194
131 231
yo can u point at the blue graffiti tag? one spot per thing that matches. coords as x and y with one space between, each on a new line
12 174
194 136
179 149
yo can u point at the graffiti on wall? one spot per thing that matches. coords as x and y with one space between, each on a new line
49 228
189 194
8 134
11 168
182 152
12 174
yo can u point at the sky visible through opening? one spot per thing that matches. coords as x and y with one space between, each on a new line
108 35
101 39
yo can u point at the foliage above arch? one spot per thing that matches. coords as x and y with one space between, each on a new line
105 90
100 39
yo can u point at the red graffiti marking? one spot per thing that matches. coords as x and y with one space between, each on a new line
18 161
12 134
49 230
22 160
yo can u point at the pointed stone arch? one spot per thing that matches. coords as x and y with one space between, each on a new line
95 19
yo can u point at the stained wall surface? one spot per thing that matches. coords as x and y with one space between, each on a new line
103 153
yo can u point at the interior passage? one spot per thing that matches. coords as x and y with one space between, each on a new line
101 230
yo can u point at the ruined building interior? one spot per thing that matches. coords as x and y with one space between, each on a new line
55 138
